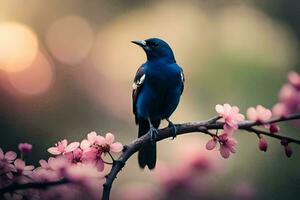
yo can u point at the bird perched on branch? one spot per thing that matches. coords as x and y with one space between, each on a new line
157 87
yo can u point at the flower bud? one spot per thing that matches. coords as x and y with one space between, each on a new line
25 147
274 128
211 144
288 151
284 142
262 144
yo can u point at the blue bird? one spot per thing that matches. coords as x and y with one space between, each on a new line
157 87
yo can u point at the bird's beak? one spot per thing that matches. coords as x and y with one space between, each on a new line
141 43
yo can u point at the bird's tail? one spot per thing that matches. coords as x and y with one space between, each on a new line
147 154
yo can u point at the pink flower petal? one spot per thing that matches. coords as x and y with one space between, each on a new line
235 109
280 110
224 151
110 138
100 140
54 151
64 142
116 147
69 156
20 164
10 155
51 162
227 108
89 155
85 144
57 163
27 173
92 136
44 164
219 108
240 117
72 146
29 167
211 144
251 114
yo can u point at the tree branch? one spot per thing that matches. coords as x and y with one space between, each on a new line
136 145
190 127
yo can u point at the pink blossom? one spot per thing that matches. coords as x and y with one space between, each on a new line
294 79
6 166
280 110
74 156
263 144
25 147
227 145
21 167
62 147
9 156
51 170
107 143
91 139
56 163
290 97
93 155
231 116
260 114
46 165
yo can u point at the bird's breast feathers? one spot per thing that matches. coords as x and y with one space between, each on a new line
168 76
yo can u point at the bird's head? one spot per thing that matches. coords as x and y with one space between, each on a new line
156 49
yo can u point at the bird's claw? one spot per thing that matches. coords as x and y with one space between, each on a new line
174 129
153 134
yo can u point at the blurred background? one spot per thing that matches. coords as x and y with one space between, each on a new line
66 69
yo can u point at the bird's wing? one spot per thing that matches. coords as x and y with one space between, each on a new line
182 80
136 88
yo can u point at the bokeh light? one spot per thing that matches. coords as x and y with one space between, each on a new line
35 79
70 39
18 46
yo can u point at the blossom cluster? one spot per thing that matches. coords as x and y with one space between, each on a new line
289 96
289 102
80 164
231 117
